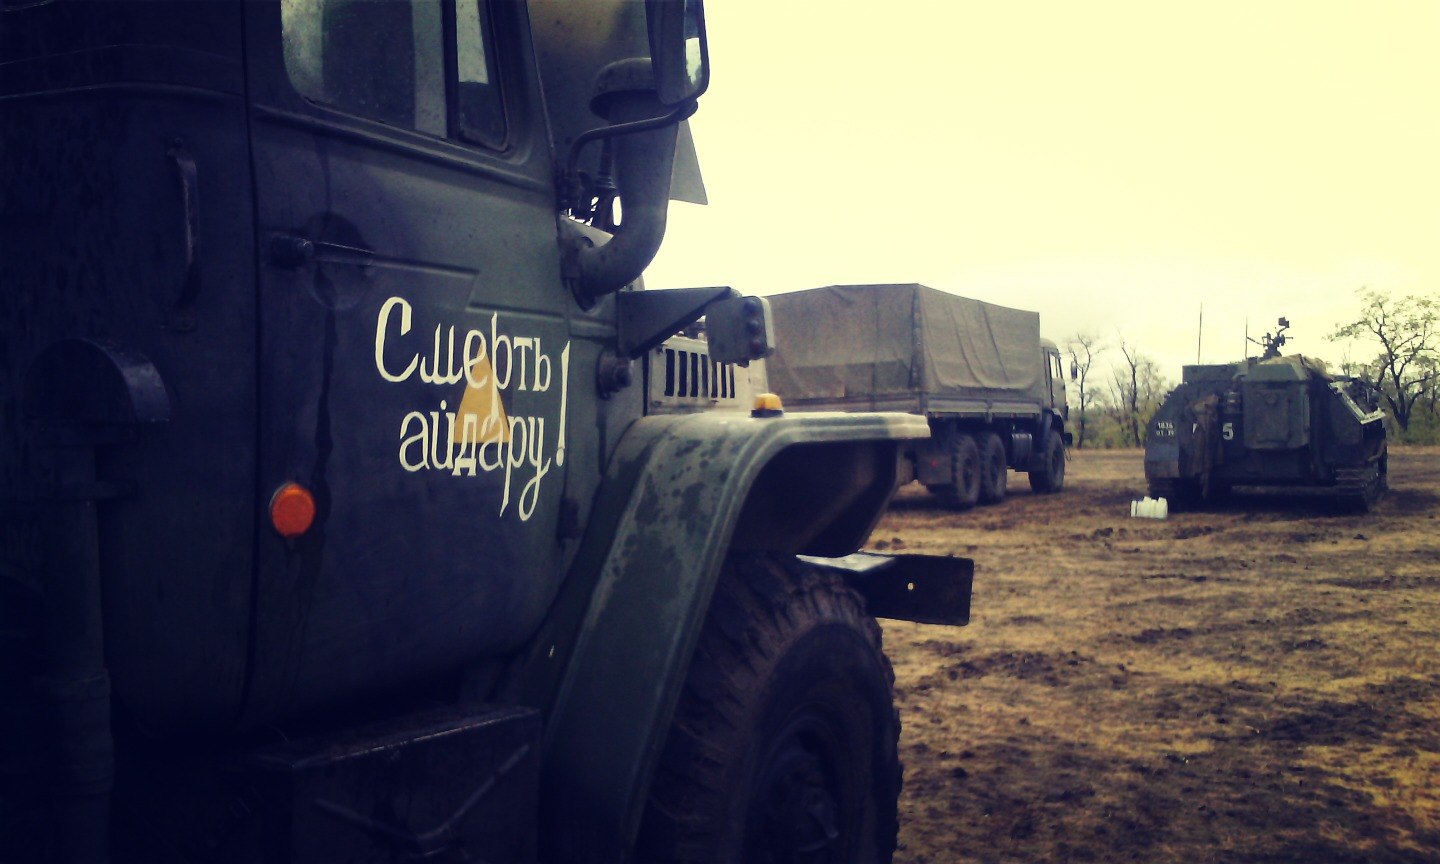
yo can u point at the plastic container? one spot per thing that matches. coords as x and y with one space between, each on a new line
1150 508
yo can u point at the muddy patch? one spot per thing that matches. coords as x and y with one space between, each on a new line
1248 683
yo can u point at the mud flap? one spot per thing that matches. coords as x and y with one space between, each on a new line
1039 450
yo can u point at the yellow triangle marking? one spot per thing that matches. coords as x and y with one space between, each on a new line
482 402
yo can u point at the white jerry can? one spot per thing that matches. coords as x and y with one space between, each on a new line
1150 508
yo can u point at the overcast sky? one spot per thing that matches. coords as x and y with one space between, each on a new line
1110 164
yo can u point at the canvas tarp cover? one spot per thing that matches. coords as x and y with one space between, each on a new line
860 343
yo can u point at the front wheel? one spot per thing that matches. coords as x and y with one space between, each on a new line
784 745
1049 475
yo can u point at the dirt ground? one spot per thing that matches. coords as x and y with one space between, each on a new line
1256 684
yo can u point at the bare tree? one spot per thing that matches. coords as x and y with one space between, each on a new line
1405 329
1084 348
1125 382
1137 387
1430 396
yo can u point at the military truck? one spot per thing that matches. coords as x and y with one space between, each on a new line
991 390
1267 421
335 528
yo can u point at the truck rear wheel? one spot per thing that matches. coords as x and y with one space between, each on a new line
784 744
1049 475
963 490
994 473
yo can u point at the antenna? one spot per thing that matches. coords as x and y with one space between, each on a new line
1247 337
1200 333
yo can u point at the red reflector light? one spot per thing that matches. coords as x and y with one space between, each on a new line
292 510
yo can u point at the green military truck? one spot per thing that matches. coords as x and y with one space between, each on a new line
991 390
336 527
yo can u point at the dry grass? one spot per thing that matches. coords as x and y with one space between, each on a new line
1257 684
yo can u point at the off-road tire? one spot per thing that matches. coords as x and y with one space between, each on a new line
963 490
1049 475
786 732
994 473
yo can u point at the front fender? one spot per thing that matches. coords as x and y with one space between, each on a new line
1042 436
609 665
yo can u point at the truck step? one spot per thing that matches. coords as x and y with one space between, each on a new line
456 781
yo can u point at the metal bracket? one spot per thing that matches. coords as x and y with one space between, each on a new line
926 589
86 387
647 318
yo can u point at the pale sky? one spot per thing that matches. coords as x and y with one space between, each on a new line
1111 165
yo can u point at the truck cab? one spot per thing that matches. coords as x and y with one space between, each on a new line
335 525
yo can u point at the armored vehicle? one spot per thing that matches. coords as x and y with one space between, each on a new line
992 390
1272 421
335 527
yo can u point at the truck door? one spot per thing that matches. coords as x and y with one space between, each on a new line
415 353
1047 361
1056 373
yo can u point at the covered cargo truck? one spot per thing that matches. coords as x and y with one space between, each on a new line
992 390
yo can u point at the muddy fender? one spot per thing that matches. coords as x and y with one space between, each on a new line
680 493
1042 436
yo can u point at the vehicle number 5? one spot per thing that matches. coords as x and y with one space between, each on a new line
1227 431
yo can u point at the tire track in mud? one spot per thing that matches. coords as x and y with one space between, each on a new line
1019 795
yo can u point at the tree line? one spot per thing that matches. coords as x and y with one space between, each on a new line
1111 405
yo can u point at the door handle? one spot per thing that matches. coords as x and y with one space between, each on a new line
293 251
181 314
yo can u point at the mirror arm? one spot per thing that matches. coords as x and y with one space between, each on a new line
644 162
571 186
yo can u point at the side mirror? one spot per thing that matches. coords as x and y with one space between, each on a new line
1074 371
739 330
678 50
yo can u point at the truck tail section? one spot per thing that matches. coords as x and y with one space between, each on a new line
991 388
